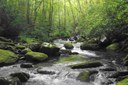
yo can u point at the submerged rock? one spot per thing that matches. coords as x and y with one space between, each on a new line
86 65
85 75
108 69
15 81
23 77
113 47
41 71
4 81
7 57
68 45
119 74
26 65
36 56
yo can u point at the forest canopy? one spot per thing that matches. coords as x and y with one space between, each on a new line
49 19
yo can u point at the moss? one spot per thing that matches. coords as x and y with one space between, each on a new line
113 47
123 82
71 58
20 47
7 56
68 45
84 76
24 51
36 56
87 64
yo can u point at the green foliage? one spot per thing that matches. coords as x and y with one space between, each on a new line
46 20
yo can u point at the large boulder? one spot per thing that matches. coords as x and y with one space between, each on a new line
68 45
35 47
49 49
36 56
7 57
6 44
23 77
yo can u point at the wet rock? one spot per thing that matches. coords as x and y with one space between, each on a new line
86 65
86 46
36 56
49 49
7 57
119 74
4 81
74 53
108 69
35 47
68 45
15 81
41 71
65 52
113 47
24 51
23 77
85 75
26 65
20 47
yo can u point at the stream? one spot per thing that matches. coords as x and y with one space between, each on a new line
63 75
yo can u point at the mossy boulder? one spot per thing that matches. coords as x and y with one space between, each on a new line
89 46
49 49
68 45
7 45
113 47
36 56
85 75
123 81
7 57
88 64
20 47
24 51
5 39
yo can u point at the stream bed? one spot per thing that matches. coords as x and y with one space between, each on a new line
60 74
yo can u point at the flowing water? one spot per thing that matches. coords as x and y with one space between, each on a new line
64 75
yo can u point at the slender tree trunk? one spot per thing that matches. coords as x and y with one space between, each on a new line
28 12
